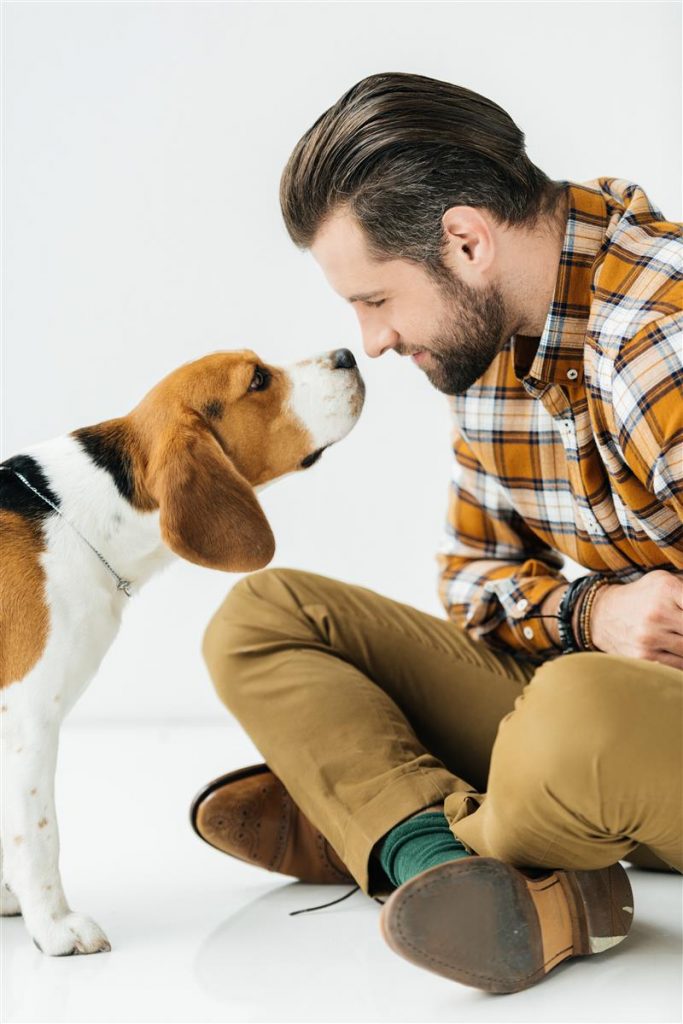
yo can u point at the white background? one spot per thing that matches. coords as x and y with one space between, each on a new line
143 145
142 150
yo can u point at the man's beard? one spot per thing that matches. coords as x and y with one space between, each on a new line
469 338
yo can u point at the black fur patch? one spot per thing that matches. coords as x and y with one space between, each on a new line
213 410
15 496
107 448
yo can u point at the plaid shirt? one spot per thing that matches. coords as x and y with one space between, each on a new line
574 446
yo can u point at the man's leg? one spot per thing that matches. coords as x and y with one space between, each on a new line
584 769
366 709
587 766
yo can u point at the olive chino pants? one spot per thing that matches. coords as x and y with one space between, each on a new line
369 710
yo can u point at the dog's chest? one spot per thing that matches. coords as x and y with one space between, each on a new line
82 598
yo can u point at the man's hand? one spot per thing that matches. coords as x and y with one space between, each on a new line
642 619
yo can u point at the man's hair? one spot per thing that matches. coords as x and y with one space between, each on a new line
398 150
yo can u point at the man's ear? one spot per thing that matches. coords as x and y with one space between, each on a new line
209 513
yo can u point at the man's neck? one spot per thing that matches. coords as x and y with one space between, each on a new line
533 260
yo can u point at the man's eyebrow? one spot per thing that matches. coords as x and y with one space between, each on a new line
364 296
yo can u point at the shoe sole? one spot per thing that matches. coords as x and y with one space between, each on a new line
211 787
487 924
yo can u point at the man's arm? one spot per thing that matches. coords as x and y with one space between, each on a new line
496 575
643 413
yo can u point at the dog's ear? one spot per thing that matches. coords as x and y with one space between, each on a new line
208 512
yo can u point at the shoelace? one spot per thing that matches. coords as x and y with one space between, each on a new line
322 906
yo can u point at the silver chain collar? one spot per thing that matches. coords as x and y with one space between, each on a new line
121 584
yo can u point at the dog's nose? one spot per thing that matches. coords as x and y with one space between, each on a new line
343 359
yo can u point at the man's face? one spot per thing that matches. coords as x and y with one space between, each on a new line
451 329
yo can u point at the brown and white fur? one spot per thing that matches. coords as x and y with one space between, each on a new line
175 477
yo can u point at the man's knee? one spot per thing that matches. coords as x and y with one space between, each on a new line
564 718
575 717
559 782
258 608
591 698
580 705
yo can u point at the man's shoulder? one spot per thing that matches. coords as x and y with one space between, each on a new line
638 274
640 245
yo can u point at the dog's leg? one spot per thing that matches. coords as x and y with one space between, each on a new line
31 841
9 904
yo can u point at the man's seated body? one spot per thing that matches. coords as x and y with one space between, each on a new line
488 770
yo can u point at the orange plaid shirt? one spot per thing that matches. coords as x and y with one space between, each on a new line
574 446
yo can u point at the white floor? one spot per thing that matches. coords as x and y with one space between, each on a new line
198 937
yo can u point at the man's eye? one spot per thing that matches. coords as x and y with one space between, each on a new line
375 304
260 380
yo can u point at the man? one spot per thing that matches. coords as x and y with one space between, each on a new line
490 770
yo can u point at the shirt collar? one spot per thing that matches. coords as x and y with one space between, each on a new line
559 355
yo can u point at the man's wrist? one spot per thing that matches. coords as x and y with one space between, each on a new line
569 617
584 613
597 611
568 614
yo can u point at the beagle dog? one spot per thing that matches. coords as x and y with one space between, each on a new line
86 519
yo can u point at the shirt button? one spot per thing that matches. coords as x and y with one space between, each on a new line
522 604
528 632
572 374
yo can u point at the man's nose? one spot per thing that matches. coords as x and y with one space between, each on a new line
377 341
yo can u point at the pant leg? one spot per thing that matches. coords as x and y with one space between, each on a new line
366 709
586 767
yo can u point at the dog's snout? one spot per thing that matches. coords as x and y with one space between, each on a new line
343 359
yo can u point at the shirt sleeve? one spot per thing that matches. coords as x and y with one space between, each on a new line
494 571
645 414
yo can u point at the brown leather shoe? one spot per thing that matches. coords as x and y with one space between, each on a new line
487 924
250 815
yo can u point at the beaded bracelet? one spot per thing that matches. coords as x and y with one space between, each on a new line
585 638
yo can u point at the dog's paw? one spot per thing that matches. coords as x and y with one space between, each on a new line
73 933
9 904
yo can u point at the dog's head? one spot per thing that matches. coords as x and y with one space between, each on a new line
216 428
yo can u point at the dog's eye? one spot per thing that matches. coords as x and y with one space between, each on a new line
260 380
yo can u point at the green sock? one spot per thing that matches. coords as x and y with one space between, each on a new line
417 844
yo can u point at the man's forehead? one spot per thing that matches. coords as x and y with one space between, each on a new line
341 250
339 242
